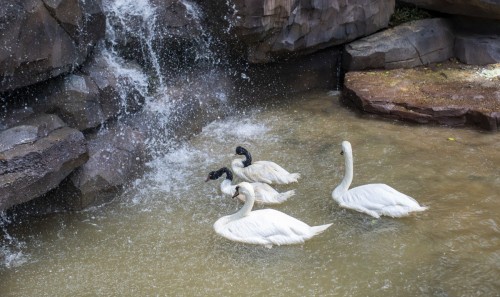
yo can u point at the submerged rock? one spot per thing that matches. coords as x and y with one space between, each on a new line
451 94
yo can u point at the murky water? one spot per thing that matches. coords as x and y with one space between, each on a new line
157 239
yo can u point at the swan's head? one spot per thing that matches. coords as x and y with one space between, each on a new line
241 150
346 148
213 175
245 189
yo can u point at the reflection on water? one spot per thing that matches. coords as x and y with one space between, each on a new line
157 239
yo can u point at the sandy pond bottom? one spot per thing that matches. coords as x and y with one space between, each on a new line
157 238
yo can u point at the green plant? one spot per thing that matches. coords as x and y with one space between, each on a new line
403 14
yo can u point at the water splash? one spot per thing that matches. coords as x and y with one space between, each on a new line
11 248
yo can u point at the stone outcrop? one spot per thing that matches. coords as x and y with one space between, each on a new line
451 94
41 39
277 29
474 8
115 157
477 49
409 45
36 154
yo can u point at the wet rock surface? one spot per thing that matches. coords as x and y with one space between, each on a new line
35 156
451 94
116 155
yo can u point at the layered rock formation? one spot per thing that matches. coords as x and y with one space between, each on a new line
278 29
41 39
409 45
36 154
449 94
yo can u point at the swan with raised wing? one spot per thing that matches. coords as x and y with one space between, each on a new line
261 171
266 227
264 193
373 199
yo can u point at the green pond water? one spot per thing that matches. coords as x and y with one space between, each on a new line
157 238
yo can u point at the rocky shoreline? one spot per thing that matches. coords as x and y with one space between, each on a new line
449 93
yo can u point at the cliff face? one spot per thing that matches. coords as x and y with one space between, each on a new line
274 29
40 39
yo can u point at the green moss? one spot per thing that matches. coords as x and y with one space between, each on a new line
403 14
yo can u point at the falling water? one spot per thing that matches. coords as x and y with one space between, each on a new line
133 19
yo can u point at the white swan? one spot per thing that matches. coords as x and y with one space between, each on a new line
264 193
266 227
373 199
261 171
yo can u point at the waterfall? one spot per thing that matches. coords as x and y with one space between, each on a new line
133 19
181 77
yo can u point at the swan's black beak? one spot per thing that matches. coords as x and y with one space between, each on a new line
341 153
208 178
236 193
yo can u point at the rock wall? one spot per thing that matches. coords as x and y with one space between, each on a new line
41 39
277 29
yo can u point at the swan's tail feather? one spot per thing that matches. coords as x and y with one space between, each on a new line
294 177
319 229
282 197
422 208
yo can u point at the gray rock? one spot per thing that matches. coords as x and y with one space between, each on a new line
411 44
276 29
38 159
43 39
75 98
115 157
477 49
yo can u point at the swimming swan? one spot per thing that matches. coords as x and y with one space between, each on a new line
266 227
372 199
264 193
261 171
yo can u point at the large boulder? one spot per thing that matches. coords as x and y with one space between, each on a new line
449 93
277 29
35 156
41 39
116 156
477 49
405 46
475 8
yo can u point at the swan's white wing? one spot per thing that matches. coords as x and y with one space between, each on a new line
380 199
269 172
265 227
266 194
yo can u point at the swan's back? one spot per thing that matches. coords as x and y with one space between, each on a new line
380 199
264 171
266 227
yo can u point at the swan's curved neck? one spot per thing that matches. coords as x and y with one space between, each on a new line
247 207
229 174
248 161
348 174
